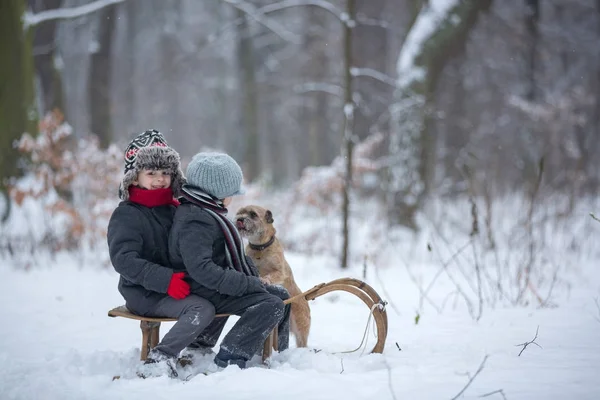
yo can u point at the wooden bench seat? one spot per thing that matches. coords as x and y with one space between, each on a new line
150 327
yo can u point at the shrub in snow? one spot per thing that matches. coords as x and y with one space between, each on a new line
68 191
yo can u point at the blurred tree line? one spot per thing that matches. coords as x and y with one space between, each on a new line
496 88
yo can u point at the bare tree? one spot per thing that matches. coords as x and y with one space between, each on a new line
349 109
249 97
44 53
370 45
433 39
17 105
532 17
316 101
99 79
17 99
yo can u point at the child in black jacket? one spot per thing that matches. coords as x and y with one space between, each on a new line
138 234
206 244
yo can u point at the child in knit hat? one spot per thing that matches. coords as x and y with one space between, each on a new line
205 243
137 241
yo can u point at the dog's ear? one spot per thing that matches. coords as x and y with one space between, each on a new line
269 217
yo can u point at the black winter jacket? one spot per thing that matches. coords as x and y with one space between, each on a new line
138 247
197 245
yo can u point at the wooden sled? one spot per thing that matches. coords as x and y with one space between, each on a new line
151 326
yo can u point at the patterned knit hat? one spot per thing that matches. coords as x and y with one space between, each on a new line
216 174
149 150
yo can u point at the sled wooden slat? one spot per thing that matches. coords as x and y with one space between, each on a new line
150 327
122 311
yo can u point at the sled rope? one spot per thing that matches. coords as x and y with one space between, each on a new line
371 322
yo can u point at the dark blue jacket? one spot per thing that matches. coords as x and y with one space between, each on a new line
138 246
197 245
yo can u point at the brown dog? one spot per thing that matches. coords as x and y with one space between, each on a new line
256 224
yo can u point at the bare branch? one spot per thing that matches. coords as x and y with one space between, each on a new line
30 19
373 73
389 369
252 11
468 301
471 379
546 302
364 20
329 88
594 217
386 294
530 342
282 5
445 265
494 392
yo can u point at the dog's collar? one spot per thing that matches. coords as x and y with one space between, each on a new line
263 246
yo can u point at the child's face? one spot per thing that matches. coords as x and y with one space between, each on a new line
227 201
153 179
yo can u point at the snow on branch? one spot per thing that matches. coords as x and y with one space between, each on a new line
426 24
30 19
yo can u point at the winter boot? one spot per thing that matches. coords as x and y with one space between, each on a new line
225 358
192 353
158 364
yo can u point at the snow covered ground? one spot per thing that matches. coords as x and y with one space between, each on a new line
56 342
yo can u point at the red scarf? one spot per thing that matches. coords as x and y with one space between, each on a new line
152 198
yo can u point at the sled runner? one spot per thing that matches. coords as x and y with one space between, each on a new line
151 326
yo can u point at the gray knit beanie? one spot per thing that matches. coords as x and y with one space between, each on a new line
217 174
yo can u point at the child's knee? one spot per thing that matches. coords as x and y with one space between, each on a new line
279 291
276 304
200 313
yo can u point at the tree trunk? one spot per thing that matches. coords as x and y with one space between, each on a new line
44 47
596 113
99 80
17 105
249 99
532 17
370 43
316 103
348 141
222 94
437 33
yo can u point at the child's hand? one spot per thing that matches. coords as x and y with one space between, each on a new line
178 288
255 285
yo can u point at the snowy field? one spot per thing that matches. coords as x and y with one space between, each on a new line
56 342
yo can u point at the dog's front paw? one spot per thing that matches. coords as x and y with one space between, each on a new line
265 280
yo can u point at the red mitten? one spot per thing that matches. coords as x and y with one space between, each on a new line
178 288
